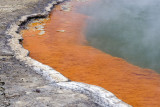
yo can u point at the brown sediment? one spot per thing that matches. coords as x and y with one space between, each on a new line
64 47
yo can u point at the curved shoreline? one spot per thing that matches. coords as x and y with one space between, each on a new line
99 95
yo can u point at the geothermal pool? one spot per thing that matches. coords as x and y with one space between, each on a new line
66 41
127 29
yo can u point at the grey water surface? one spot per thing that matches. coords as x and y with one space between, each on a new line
128 29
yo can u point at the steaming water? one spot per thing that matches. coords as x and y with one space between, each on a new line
129 29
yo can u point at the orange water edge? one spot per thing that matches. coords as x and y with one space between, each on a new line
68 53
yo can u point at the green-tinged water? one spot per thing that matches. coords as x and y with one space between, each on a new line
127 30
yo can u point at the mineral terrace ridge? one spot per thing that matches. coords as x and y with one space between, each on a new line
27 82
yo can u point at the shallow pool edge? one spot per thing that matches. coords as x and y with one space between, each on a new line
97 94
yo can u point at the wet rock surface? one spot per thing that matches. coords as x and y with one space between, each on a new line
21 86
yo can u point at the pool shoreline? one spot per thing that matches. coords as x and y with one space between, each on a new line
98 95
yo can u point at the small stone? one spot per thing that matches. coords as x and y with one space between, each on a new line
27 92
13 95
23 79
20 103
1 93
60 30
6 103
2 83
39 27
38 90
2 89
3 59
66 7
60 92
42 33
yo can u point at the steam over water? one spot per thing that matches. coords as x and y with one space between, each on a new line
129 29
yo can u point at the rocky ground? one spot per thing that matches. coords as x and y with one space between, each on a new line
21 86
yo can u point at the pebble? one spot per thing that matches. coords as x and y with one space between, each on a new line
38 90
39 27
66 7
2 83
27 92
42 33
2 89
60 30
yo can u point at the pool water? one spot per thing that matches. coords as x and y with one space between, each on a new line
126 29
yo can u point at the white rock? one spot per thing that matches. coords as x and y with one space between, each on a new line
42 33
60 30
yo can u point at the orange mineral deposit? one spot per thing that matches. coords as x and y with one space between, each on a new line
59 42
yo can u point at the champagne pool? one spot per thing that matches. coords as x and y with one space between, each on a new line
127 29
107 43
